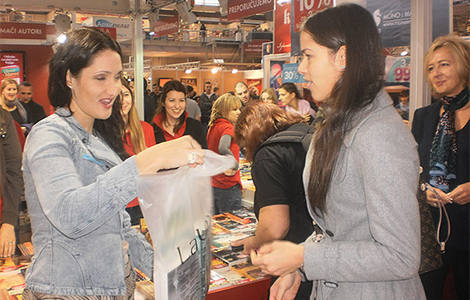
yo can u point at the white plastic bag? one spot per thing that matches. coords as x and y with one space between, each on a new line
177 207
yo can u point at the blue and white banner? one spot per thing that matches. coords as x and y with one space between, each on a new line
393 19
290 73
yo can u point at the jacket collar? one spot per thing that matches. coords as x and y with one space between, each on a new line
95 144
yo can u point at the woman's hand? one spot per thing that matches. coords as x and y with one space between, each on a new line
230 172
433 200
7 240
172 154
286 287
461 194
278 258
248 244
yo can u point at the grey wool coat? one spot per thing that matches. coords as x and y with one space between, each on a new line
372 250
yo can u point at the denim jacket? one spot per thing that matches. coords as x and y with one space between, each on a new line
77 189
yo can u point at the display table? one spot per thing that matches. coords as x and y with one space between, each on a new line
253 290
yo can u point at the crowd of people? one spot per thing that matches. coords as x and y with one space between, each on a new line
335 195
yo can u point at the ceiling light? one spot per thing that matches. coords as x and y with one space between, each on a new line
404 53
215 70
62 38
188 71
234 71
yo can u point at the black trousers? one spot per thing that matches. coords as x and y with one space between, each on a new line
433 282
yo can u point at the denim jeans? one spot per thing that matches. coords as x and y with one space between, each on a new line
226 200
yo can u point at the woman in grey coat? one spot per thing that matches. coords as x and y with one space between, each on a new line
361 173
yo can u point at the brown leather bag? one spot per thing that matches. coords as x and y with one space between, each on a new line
430 249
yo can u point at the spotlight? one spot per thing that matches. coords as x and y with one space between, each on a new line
214 70
152 33
62 22
404 53
188 71
234 71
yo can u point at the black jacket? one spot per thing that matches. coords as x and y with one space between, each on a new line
11 178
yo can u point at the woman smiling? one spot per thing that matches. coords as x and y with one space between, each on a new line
171 120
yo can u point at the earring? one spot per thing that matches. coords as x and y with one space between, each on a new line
343 67
69 86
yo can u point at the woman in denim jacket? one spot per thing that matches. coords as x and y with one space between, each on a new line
77 186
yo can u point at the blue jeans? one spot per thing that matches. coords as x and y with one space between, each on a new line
226 200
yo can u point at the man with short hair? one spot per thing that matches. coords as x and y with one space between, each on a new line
206 100
25 95
242 92
192 108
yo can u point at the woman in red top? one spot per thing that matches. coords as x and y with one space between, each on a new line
220 139
138 136
171 120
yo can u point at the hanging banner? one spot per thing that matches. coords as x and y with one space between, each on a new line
393 19
12 65
166 26
243 8
290 73
255 47
14 30
303 9
282 27
123 25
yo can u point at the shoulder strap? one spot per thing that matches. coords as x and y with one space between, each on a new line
297 133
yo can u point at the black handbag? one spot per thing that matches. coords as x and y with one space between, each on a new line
430 249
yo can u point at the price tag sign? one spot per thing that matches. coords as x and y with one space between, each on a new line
290 73
303 9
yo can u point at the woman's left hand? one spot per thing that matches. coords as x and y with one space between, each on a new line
286 287
230 172
278 258
461 194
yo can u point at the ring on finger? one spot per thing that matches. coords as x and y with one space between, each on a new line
191 158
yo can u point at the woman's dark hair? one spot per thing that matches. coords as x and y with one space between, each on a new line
172 85
78 51
257 122
291 88
352 26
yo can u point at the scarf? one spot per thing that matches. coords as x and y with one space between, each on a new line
443 158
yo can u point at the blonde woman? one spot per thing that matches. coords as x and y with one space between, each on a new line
138 136
10 102
221 139
268 95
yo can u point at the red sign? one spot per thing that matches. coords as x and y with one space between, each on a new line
12 65
109 30
303 9
255 47
243 8
13 30
166 26
282 25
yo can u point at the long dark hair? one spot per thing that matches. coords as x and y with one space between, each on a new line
172 85
291 88
352 26
78 51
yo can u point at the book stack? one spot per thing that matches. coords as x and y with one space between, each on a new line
26 249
